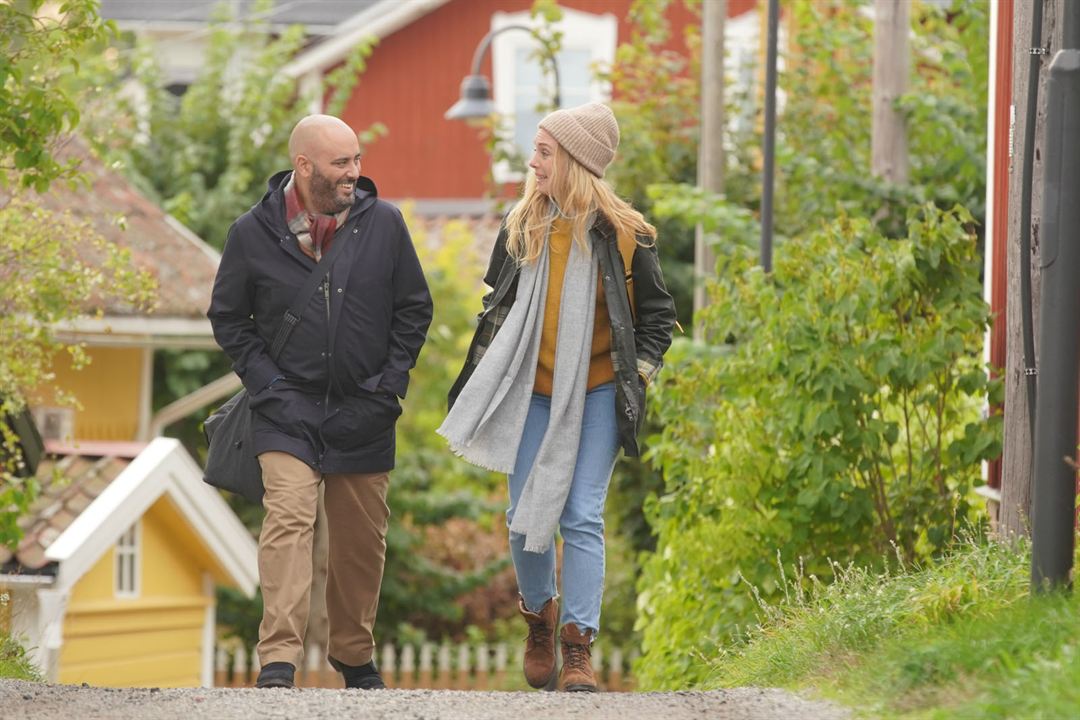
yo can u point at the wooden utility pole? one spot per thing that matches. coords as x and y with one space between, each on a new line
889 152
711 143
1015 512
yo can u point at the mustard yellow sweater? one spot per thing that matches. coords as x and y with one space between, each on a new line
600 369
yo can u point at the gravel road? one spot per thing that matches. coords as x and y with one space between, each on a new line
36 701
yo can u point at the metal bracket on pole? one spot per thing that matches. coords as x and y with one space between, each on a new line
1039 50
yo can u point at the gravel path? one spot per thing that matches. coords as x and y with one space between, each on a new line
36 701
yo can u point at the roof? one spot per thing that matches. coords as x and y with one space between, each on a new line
377 19
81 479
319 16
103 490
183 264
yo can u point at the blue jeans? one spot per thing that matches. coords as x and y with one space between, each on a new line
582 522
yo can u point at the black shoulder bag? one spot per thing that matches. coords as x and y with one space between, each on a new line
231 463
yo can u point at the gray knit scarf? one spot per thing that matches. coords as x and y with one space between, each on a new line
488 418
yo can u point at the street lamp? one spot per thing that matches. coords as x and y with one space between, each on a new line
476 99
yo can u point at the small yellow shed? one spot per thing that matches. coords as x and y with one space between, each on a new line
113 583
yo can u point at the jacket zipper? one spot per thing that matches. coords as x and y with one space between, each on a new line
329 367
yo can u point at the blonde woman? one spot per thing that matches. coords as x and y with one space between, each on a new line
572 333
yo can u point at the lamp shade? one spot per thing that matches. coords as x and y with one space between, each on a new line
475 100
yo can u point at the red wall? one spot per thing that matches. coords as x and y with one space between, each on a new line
413 77
1000 240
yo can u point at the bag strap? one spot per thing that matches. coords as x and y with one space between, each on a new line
627 247
293 314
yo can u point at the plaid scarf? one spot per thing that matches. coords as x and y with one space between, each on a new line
314 231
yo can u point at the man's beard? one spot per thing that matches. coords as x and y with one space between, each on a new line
324 194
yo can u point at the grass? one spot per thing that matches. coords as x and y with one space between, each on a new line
14 665
961 639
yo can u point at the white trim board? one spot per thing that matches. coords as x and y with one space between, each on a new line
139 331
378 21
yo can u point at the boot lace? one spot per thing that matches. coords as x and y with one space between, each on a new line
540 634
577 657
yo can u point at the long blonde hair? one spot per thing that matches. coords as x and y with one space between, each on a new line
576 193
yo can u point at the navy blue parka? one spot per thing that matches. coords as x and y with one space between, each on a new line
331 399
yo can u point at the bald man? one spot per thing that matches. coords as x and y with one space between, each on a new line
324 409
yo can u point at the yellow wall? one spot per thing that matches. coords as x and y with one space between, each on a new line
154 640
108 389
7 600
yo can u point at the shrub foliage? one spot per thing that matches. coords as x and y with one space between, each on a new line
842 419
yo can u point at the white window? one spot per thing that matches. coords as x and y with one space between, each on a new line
588 41
127 575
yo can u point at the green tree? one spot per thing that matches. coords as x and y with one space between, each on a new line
205 156
39 49
431 487
838 411
824 133
45 278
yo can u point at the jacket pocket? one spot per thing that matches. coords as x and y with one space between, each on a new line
288 410
360 419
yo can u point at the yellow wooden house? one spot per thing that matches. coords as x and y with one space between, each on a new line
114 581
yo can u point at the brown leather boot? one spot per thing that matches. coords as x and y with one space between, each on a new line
577 673
539 664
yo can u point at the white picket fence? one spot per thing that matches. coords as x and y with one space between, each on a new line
429 666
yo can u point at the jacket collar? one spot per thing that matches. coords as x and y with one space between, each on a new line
602 226
271 209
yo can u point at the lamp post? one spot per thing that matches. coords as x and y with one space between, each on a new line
475 101
770 138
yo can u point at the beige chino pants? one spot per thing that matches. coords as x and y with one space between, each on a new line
356 518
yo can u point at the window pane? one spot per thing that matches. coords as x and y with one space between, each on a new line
575 78
121 572
126 559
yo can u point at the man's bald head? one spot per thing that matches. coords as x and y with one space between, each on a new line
325 155
315 133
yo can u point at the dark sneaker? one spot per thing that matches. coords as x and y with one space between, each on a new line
360 677
276 675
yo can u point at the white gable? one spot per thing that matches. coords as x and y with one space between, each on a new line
163 468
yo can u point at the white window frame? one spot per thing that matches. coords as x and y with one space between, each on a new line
580 31
741 46
127 565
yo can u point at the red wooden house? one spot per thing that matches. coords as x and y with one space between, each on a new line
425 48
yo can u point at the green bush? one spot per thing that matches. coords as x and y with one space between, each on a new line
840 420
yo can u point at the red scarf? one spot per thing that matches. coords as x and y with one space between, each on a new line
314 231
